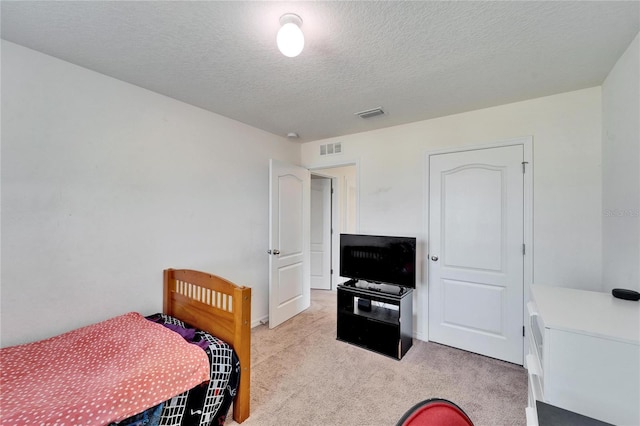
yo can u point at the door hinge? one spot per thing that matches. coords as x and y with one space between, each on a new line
332 190
524 165
523 331
332 272
524 249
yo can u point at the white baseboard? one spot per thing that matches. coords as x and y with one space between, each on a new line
260 321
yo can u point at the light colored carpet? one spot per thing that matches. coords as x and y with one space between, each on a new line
302 375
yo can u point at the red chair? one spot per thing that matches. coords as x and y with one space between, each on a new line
435 412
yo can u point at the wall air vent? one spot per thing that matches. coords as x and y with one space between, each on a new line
370 113
331 148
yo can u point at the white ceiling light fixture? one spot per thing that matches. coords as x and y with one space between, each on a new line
290 38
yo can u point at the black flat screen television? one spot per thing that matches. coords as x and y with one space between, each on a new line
379 259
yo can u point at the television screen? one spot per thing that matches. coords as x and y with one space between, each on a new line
379 259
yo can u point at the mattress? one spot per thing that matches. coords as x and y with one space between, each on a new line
206 404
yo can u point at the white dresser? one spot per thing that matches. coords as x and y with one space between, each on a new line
584 354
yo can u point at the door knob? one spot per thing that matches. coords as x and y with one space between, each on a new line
434 258
276 252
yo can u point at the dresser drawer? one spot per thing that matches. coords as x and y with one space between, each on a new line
536 390
536 334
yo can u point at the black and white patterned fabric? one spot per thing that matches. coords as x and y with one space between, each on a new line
206 404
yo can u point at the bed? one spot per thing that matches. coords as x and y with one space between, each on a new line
131 369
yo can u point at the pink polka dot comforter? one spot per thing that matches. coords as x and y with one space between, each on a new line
97 374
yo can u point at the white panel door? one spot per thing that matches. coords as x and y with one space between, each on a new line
321 234
476 262
289 203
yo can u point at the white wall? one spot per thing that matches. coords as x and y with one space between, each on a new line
621 172
566 130
105 184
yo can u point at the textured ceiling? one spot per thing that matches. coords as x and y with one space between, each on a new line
417 60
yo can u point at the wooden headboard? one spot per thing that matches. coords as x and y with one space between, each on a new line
220 308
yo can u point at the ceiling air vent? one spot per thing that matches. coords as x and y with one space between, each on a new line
370 113
331 148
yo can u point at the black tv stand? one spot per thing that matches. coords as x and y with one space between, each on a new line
386 328
372 286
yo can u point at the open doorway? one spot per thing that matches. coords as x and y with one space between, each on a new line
321 228
333 211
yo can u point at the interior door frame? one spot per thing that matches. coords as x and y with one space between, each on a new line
316 169
422 332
